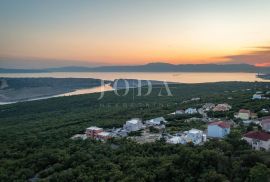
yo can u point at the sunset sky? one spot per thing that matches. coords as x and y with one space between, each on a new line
36 33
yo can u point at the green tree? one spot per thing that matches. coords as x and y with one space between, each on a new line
259 173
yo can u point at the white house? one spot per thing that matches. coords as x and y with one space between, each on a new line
258 140
266 125
247 122
218 129
156 121
196 99
264 110
243 114
208 106
176 140
134 124
257 96
179 112
191 111
79 136
195 136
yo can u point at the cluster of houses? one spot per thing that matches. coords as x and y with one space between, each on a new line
261 95
131 125
257 139
215 128
206 108
192 136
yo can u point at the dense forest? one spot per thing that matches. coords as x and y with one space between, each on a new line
35 142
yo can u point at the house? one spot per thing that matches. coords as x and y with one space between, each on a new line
156 121
266 125
196 99
195 136
264 111
257 97
191 111
193 119
243 114
201 111
93 131
258 140
222 107
103 136
179 112
134 124
208 106
218 129
176 140
253 116
192 136
247 122
79 136
119 132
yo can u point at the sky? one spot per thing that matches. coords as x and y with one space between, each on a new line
36 33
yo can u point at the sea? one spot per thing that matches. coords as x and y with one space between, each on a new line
178 77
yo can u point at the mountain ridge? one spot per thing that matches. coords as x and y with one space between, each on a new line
151 67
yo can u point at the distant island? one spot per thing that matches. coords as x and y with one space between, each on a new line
151 67
264 76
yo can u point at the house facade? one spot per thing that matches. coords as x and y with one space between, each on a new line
134 124
191 111
257 96
266 125
195 136
103 135
218 129
243 114
258 140
92 131
176 140
208 106
156 121
179 112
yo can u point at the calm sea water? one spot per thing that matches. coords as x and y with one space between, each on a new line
180 77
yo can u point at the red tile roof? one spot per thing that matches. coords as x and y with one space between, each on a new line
259 135
244 111
220 124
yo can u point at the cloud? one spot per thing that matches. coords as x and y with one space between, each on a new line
260 56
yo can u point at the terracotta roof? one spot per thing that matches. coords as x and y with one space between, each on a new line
244 111
259 135
220 124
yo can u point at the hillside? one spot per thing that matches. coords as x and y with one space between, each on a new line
35 139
